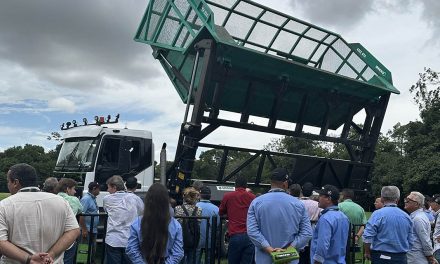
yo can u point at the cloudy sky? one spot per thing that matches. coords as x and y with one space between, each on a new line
62 60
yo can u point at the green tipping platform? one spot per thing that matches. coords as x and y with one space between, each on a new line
262 48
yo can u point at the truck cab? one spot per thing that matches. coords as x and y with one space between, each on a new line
94 153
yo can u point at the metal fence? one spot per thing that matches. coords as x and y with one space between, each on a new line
210 251
355 249
216 241
87 250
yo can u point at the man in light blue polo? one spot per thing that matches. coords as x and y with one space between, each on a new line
208 210
88 202
331 232
387 235
277 220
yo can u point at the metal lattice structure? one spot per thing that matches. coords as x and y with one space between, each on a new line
242 57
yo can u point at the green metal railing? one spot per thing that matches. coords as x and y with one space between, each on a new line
257 48
174 24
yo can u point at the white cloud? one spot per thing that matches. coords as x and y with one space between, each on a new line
62 104
80 57
21 135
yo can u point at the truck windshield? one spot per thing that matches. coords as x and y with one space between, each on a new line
77 153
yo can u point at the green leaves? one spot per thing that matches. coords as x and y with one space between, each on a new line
409 155
34 155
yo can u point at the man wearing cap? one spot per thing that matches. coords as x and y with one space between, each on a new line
387 235
235 205
421 251
277 220
208 210
435 206
88 202
330 235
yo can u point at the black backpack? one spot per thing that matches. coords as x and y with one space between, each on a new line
190 230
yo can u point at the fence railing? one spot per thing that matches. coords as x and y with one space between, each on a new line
355 248
210 249
216 241
88 255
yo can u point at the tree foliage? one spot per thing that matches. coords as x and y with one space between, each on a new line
408 156
43 162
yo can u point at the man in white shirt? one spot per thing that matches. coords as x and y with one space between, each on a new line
35 226
122 209
421 251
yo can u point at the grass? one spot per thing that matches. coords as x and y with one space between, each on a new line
3 195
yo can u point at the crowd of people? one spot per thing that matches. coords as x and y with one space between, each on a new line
45 226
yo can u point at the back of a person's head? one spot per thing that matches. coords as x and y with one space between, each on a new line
307 189
197 185
157 196
390 193
348 193
428 200
154 224
295 190
63 184
241 181
93 185
190 195
24 173
117 182
50 184
131 183
205 193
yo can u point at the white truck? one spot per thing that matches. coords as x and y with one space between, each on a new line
95 153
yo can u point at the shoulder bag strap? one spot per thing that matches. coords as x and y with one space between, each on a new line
184 210
195 211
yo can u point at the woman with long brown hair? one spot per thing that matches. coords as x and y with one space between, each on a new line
155 238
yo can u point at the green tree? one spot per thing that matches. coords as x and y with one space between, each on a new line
422 137
389 164
34 155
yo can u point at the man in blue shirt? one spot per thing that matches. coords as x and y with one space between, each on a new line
208 210
330 235
387 235
277 220
88 202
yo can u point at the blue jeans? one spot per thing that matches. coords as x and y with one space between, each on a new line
69 255
116 255
378 257
240 249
